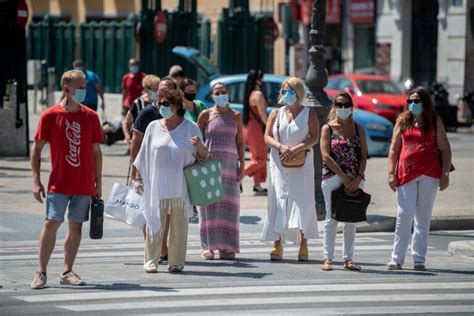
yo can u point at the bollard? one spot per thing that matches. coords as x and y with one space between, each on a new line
50 88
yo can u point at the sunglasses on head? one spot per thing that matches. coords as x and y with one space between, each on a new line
416 101
345 105
164 103
290 91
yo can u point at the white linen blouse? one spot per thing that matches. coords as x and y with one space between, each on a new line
160 162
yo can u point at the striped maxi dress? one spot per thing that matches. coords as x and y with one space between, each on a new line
219 222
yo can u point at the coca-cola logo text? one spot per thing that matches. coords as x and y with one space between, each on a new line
73 134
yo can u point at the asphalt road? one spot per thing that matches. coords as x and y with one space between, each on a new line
252 284
116 283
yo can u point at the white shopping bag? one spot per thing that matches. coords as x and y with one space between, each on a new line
125 205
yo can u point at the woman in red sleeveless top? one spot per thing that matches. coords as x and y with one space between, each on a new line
419 164
255 119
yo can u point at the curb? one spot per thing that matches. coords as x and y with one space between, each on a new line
461 222
461 248
377 223
383 223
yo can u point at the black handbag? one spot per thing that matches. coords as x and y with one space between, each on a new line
349 207
97 219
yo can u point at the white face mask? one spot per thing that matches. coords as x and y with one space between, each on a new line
343 114
221 100
79 96
166 112
154 95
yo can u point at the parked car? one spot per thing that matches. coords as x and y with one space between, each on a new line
376 94
378 129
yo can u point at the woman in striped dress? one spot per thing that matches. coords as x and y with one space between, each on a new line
219 222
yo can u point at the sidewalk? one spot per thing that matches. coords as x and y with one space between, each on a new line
453 208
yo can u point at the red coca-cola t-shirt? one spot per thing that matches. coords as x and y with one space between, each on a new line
71 136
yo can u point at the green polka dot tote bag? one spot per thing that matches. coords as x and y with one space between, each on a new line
204 182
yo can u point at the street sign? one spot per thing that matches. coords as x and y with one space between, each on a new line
22 14
362 11
270 31
160 27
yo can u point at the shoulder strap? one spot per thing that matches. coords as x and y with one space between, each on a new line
139 104
278 125
330 129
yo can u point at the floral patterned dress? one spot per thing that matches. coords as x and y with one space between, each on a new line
346 153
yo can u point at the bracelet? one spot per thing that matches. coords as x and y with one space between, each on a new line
279 147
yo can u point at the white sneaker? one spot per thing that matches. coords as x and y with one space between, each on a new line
39 281
150 268
71 279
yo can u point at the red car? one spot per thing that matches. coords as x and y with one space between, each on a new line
372 93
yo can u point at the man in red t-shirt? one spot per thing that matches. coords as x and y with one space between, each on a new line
74 135
131 85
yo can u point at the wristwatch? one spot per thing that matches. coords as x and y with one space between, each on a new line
446 174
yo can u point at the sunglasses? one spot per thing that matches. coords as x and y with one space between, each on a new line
416 101
164 103
285 91
345 105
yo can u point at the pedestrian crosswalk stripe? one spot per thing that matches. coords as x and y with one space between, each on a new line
190 252
140 245
357 310
167 292
302 299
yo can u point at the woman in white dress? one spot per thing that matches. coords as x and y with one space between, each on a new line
169 145
292 129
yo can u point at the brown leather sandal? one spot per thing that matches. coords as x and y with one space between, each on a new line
349 265
327 265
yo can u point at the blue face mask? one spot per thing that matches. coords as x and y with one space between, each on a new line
166 112
290 97
416 108
154 96
343 114
79 69
80 95
133 69
221 100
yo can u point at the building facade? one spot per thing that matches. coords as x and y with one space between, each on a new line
424 40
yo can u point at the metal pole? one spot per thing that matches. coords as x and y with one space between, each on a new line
316 80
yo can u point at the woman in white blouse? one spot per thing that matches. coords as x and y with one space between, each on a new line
169 145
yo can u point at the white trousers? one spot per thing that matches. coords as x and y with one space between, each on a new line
330 226
415 202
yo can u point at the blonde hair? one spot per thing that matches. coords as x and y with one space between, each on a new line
71 75
332 112
150 81
295 84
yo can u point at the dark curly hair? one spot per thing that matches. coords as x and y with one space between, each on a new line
175 98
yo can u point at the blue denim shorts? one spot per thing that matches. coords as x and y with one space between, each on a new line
78 207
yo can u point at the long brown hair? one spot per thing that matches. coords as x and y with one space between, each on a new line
332 112
406 120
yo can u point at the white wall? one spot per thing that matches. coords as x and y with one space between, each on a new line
393 27
347 40
451 62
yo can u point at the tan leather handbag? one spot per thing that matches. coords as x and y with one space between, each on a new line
300 158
